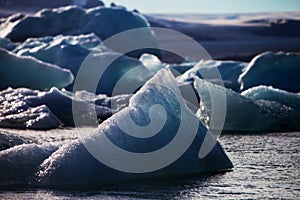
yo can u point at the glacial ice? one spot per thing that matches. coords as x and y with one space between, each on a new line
280 70
73 164
229 71
31 73
245 113
71 20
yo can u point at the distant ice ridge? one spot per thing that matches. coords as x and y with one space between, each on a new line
73 165
71 20
280 70
20 71
30 109
260 109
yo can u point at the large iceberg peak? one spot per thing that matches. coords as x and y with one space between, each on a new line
97 158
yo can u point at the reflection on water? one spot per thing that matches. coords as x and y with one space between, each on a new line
266 166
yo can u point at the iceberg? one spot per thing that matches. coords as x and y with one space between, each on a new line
78 164
244 112
279 70
20 71
72 20
88 53
229 71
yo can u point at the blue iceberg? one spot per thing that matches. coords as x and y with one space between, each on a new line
75 164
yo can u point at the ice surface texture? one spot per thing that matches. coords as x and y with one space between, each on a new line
19 71
104 22
280 70
73 165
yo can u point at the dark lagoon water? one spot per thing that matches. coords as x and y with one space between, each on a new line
266 166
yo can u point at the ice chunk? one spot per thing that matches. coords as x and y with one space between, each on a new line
16 111
19 71
152 62
244 114
72 20
229 71
33 118
73 165
280 70
73 52
25 108
19 164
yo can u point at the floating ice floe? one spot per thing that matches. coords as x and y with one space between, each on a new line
71 20
20 71
280 70
75 164
256 110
